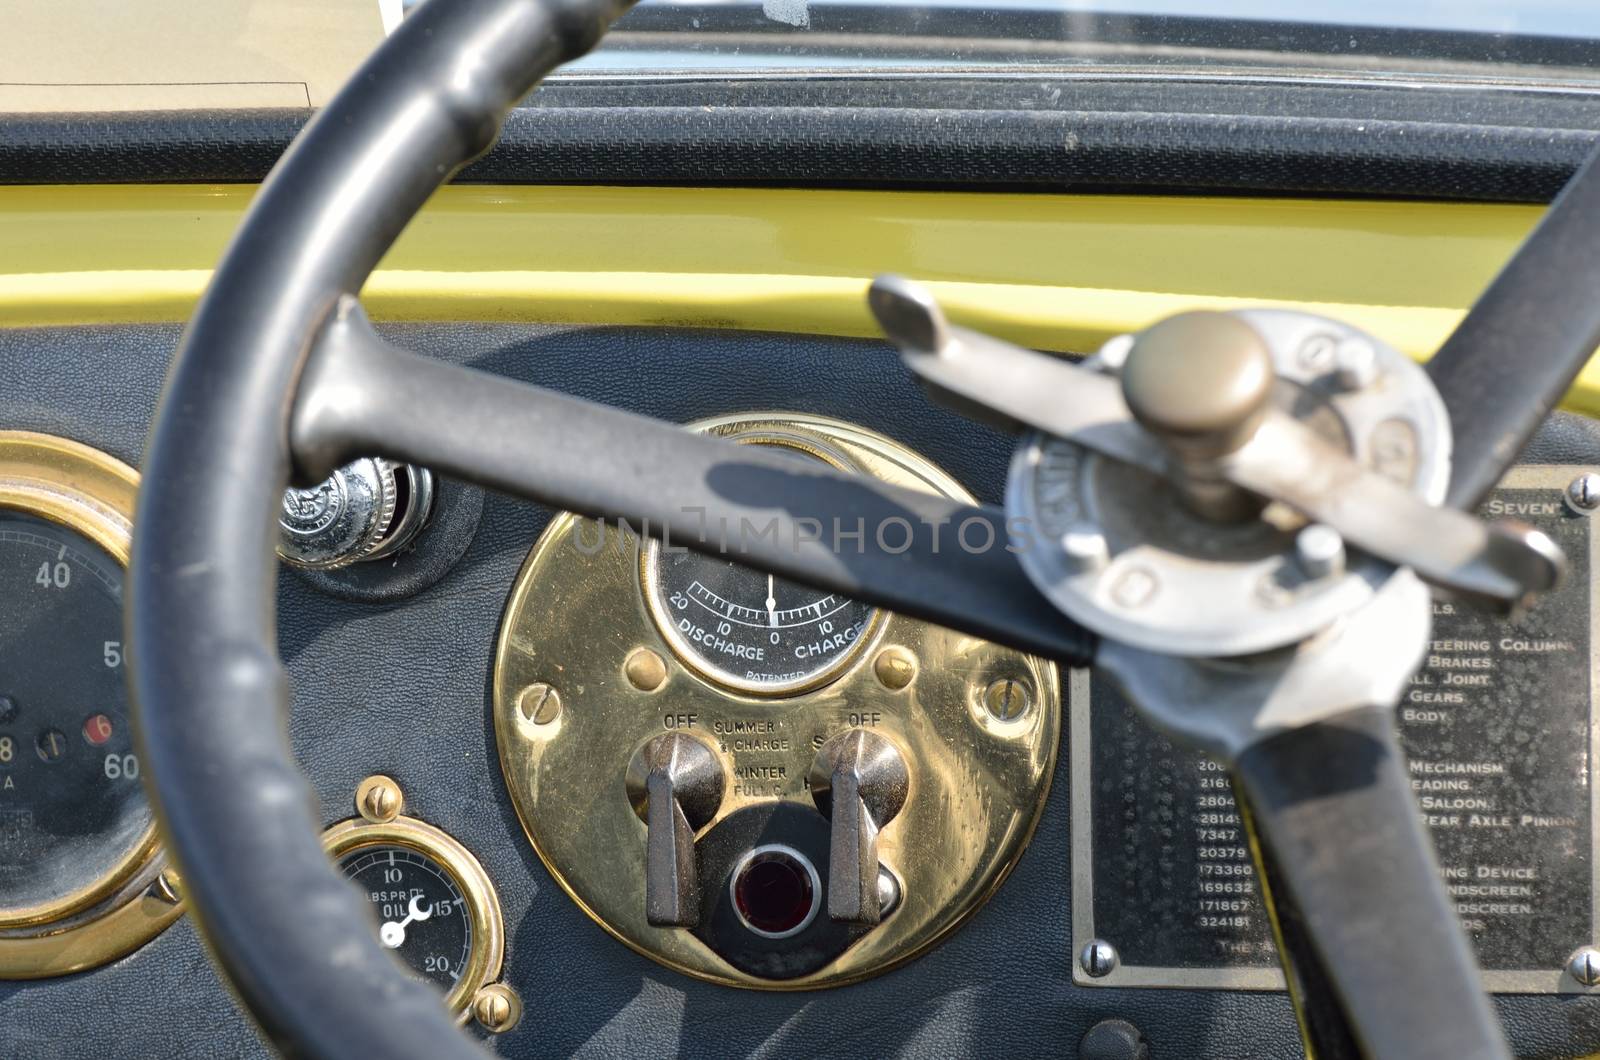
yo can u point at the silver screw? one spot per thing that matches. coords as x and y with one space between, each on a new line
1320 551
1097 958
1583 493
1084 548
1357 364
1585 966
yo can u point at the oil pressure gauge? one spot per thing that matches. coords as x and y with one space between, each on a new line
435 906
748 630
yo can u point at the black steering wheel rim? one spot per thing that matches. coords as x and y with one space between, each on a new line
211 694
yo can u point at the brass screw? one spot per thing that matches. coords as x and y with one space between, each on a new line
378 799
168 887
539 703
1007 699
895 668
646 670
497 1008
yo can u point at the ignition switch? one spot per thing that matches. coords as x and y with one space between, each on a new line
366 510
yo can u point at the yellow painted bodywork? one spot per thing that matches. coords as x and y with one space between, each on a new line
1058 272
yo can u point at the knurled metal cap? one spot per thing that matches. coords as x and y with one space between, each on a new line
342 519
1200 381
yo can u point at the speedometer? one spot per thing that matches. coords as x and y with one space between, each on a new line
81 874
71 808
749 630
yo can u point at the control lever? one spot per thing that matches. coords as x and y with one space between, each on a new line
859 781
675 783
1192 405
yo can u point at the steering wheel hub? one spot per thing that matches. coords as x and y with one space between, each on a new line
1129 552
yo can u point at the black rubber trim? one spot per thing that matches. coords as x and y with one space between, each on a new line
1041 132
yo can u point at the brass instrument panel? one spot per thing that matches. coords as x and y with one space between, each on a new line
751 781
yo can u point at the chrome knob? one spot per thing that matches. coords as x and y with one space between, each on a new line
365 510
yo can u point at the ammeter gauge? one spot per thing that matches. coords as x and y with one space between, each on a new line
748 630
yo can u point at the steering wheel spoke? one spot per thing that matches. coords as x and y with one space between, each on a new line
1356 900
912 552
1524 341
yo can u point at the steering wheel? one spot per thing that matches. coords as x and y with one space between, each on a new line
278 376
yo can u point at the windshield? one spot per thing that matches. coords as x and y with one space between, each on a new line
1511 41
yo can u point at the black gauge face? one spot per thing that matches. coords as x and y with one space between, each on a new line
422 914
72 810
751 630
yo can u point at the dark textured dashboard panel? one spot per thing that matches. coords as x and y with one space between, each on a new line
404 689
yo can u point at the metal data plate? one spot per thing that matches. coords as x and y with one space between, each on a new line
1500 731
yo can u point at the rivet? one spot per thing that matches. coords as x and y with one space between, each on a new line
1084 549
888 892
894 668
1007 699
1317 353
1583 493
645 669
1097 958
1320 551
539 703
1357 364
1135 587
378 799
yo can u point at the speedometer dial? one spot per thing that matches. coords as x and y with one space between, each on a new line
82 880
71 808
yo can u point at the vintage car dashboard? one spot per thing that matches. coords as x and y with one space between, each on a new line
590 785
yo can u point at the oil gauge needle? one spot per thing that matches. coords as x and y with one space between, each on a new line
393 933
772 602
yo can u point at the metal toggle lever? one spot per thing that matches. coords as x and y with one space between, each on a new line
675 783
859 781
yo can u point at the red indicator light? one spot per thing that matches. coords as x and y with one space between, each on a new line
97 729
774 894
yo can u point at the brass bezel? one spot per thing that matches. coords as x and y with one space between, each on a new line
93 494
577 614
683 651
483 904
